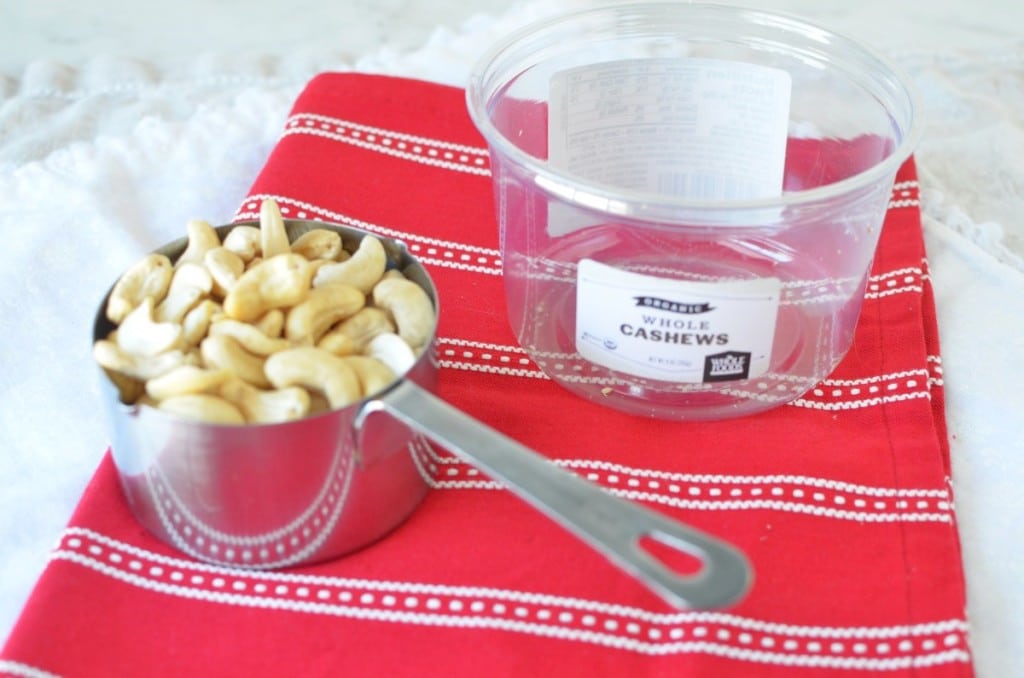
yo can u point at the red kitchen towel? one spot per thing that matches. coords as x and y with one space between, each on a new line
841 499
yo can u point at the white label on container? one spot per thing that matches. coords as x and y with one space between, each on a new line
698 128
675 330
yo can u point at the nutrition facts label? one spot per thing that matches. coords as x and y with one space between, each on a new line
698 128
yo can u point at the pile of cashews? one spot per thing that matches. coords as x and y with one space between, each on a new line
257 329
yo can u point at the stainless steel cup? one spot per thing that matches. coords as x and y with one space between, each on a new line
279 495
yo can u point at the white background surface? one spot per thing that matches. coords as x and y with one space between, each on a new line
119 121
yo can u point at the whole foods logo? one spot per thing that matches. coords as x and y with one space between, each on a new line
673 306
727 366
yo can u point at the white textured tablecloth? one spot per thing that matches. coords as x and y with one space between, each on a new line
102 161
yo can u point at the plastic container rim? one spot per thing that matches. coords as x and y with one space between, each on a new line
592 195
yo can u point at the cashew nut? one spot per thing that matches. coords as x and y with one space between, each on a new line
317 264
244 241
139 334
318 243
249 336
410 307
226 353
275 283
337 343
374 376
315 369
353 334
202 407
266 407
318 403
112 357
362 270
310 319
190 284
185 379
271 323
129 389
391 349
197 321
147 278
225 268
201 239
274 237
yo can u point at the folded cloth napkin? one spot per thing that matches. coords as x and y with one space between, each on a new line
841 499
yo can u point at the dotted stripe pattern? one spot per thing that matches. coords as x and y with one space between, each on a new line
836 395
463 158
898 281
791 494
571 619
282 547
474 356
794 292
448 254
430 251
433 152
830 394
935 373
905 194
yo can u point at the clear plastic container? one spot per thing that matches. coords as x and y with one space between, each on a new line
689 199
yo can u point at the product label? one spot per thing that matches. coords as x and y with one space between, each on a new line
697 128
675 330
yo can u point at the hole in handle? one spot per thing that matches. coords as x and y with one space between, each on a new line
667 552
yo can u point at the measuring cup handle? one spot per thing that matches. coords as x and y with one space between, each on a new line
611 525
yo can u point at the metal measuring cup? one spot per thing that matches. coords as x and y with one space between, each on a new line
287 494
